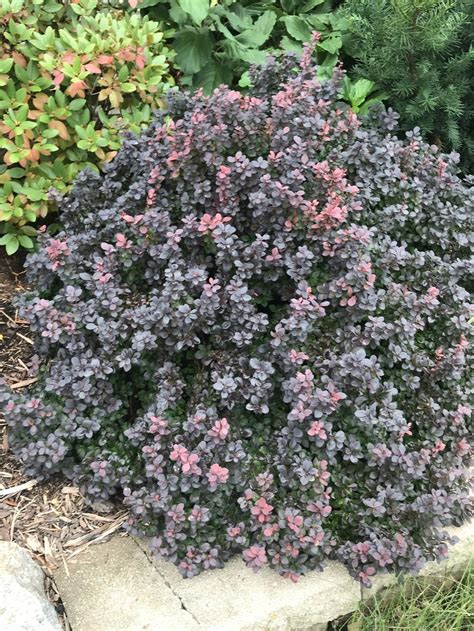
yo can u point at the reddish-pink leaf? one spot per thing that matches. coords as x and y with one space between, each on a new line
58 77
94 68
104 59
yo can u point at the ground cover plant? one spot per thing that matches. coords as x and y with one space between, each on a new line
72 78
253 330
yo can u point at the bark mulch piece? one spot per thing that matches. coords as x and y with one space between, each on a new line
51 519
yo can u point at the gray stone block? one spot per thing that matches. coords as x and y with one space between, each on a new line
24 605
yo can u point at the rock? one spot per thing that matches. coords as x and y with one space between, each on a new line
24 605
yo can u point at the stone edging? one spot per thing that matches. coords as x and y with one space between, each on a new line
24 605
116 587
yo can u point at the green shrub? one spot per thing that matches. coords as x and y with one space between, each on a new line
420 53
71 80
217 40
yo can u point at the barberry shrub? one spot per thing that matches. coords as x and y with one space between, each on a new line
253 331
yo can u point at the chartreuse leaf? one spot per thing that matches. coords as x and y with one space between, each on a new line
6 65
11 243
25 241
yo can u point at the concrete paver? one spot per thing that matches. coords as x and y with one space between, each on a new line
113 587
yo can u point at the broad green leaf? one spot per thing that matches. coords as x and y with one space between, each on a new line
239 18
223 29
326 68
30 215
22 113
33 194
260 31
362 88
331 44
16 172
288 5
21 74
338 22
177 14
309 6
289 44
297 28
193 50
78 9
245 80
212 75
123 73
251 56
197 9
320 21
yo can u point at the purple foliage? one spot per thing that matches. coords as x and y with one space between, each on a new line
253 329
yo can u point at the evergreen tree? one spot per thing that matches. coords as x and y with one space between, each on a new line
420 53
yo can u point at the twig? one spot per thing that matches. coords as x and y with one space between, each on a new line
23 365
7 316
23 337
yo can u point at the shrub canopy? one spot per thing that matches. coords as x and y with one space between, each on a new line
253 329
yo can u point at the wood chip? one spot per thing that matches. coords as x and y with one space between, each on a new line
23 384
71 490
13 490
34 543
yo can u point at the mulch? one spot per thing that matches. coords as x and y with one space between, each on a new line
51 519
